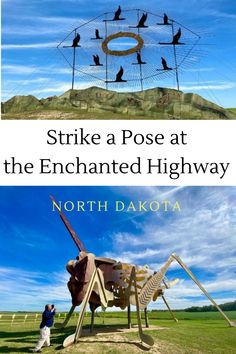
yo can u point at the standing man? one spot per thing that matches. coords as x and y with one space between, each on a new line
47 322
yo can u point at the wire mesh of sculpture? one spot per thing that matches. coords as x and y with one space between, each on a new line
130 49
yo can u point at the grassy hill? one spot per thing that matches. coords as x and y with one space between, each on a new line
97 103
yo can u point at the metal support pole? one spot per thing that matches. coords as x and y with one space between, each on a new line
73 68
92 317
146 318
129 316
140 65
106 53
175 57
171 312
148 340
188 271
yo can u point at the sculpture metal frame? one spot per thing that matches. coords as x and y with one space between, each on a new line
106 282
141 76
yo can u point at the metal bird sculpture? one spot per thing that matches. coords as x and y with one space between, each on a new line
96 60
119 75
165 21
107 282
164 64
142 21
97 35
139 60
117 15
175 40
177 37
76 41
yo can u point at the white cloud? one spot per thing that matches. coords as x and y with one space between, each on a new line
30 46
222 14
203 235
197 70
225 86
17 69
32 290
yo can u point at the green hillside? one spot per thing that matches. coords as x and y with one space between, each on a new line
97 103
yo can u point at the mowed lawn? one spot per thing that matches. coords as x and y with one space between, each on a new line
194 333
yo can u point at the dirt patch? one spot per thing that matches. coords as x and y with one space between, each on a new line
113 340
112 343
114 330
120 344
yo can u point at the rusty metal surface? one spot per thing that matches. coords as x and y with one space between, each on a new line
120 53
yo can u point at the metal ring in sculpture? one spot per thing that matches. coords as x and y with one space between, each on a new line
121 53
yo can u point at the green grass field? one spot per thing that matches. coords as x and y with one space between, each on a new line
194 333
71 114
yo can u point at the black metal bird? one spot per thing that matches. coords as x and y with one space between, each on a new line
176 37
117 15
76 41
166 19
142 21
164 64
96 60
139 59
97 34
119 75
175 40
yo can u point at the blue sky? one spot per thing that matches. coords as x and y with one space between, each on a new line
31 30
35 245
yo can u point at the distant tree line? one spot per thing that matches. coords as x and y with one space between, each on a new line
229 306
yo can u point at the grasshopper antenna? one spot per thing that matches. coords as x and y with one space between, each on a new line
73 234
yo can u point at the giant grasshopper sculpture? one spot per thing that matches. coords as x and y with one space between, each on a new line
107 283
